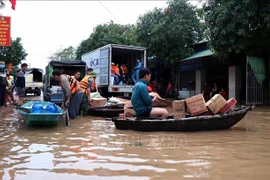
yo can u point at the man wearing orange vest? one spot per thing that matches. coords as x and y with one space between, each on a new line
88 85
71 93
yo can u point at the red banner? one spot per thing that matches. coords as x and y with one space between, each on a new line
5 31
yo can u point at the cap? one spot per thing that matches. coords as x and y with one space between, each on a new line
93 74
112 63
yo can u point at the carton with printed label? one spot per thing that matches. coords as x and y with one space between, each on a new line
196 105
216 103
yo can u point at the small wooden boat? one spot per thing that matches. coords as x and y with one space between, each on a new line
40 119
198 123
106 111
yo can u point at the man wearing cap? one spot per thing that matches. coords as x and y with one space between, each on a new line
141 100
88 85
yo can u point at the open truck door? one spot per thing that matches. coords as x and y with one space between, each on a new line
52 89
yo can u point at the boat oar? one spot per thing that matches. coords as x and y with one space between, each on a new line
24 109
67 116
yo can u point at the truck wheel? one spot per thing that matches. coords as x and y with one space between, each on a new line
38 93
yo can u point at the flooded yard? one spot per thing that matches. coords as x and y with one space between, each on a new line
92 148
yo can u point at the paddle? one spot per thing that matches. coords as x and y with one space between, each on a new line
24 109
67 116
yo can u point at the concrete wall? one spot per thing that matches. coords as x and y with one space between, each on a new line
200 76
235 82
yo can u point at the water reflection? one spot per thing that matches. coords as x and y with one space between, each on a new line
92 148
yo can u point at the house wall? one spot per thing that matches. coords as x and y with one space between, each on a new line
235 84
200 79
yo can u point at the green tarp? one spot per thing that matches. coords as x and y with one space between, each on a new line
258 67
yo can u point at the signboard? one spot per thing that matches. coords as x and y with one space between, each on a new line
5 31
92 59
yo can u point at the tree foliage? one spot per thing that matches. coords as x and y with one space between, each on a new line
239 26
170 33
15 53
109 33
65 54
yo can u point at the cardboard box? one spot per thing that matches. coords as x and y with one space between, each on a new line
229 105
179 106
179 115
207 113
97 102
216 103
129 112
196 104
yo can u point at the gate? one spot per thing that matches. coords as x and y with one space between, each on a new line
254 89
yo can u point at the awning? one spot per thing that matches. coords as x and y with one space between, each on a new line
199 60
257 65
200 54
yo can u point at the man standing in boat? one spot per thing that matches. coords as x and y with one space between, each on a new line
141 100
88 85
71 92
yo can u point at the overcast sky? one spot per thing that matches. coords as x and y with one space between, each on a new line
48 26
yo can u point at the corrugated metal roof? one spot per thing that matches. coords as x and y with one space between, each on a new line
200 54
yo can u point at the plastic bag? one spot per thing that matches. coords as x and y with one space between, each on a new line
95 95
37 108
51 108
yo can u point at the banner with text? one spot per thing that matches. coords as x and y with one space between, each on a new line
5 31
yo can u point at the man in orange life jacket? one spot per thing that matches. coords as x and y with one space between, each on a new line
71 93
88 85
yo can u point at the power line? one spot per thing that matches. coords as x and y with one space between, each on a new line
109 11
45 44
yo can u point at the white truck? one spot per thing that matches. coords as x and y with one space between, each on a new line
100 61
33 81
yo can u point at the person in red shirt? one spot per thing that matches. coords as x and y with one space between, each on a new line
224 93
169 90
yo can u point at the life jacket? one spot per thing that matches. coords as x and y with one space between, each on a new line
73 83
124 69
84 84
115 70
149 89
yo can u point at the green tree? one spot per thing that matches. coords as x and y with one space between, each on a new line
15 53
65 54
170 33
109 33
240 27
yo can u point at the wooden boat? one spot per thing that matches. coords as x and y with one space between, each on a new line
40 119
198 123
106 111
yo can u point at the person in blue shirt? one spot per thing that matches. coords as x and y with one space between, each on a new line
142 101
135 74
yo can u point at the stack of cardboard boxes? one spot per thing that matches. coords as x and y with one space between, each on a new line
196 106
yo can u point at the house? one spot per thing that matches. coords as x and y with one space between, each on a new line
202 66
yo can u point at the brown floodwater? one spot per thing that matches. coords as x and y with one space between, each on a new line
92 148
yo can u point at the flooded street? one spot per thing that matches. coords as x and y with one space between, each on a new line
91 148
